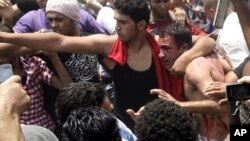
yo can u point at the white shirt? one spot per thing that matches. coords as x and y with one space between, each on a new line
232 41
106 19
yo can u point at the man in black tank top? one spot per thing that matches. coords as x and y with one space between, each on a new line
136 93
131 56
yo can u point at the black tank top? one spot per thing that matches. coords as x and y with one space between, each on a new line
132 90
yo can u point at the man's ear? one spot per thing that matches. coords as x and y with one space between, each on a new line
184 47
141 25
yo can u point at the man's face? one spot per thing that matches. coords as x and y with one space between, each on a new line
169 52
160 7
126 28
61 24
42 3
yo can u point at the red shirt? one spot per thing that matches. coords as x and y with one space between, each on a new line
37 72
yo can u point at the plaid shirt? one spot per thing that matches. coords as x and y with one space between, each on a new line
37 72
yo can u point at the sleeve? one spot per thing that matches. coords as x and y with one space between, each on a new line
105 18
25 23
238 71
89 24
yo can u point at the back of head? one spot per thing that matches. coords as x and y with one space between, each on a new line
90 124
69 8
80 94
180 33
164 121
137 10
27 5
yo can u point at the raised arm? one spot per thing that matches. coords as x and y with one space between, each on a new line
243 12
94 44
202 46
14 101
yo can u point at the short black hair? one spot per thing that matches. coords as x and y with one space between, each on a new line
90 124
137 10
162 120
27 5
180 33
79 94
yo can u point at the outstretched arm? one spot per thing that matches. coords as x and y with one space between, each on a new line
201 107
243 12
11 50
202 46
94 44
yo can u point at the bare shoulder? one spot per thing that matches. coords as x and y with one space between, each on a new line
197 64
197 67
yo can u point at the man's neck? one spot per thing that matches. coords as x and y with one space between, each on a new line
76 32
138 43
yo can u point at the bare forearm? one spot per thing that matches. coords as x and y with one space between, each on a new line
93 44
202 47
243 13
202 107
45 41
10 129
11 50
63 75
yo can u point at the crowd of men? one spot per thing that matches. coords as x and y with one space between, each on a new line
122 70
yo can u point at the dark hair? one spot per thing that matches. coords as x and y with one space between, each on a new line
180 33
80 94
90 124
27 5
137 10
162 120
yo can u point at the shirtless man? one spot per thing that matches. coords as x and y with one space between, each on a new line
212 118
131 56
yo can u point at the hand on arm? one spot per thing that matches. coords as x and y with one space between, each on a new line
203 102
216 90
202 46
